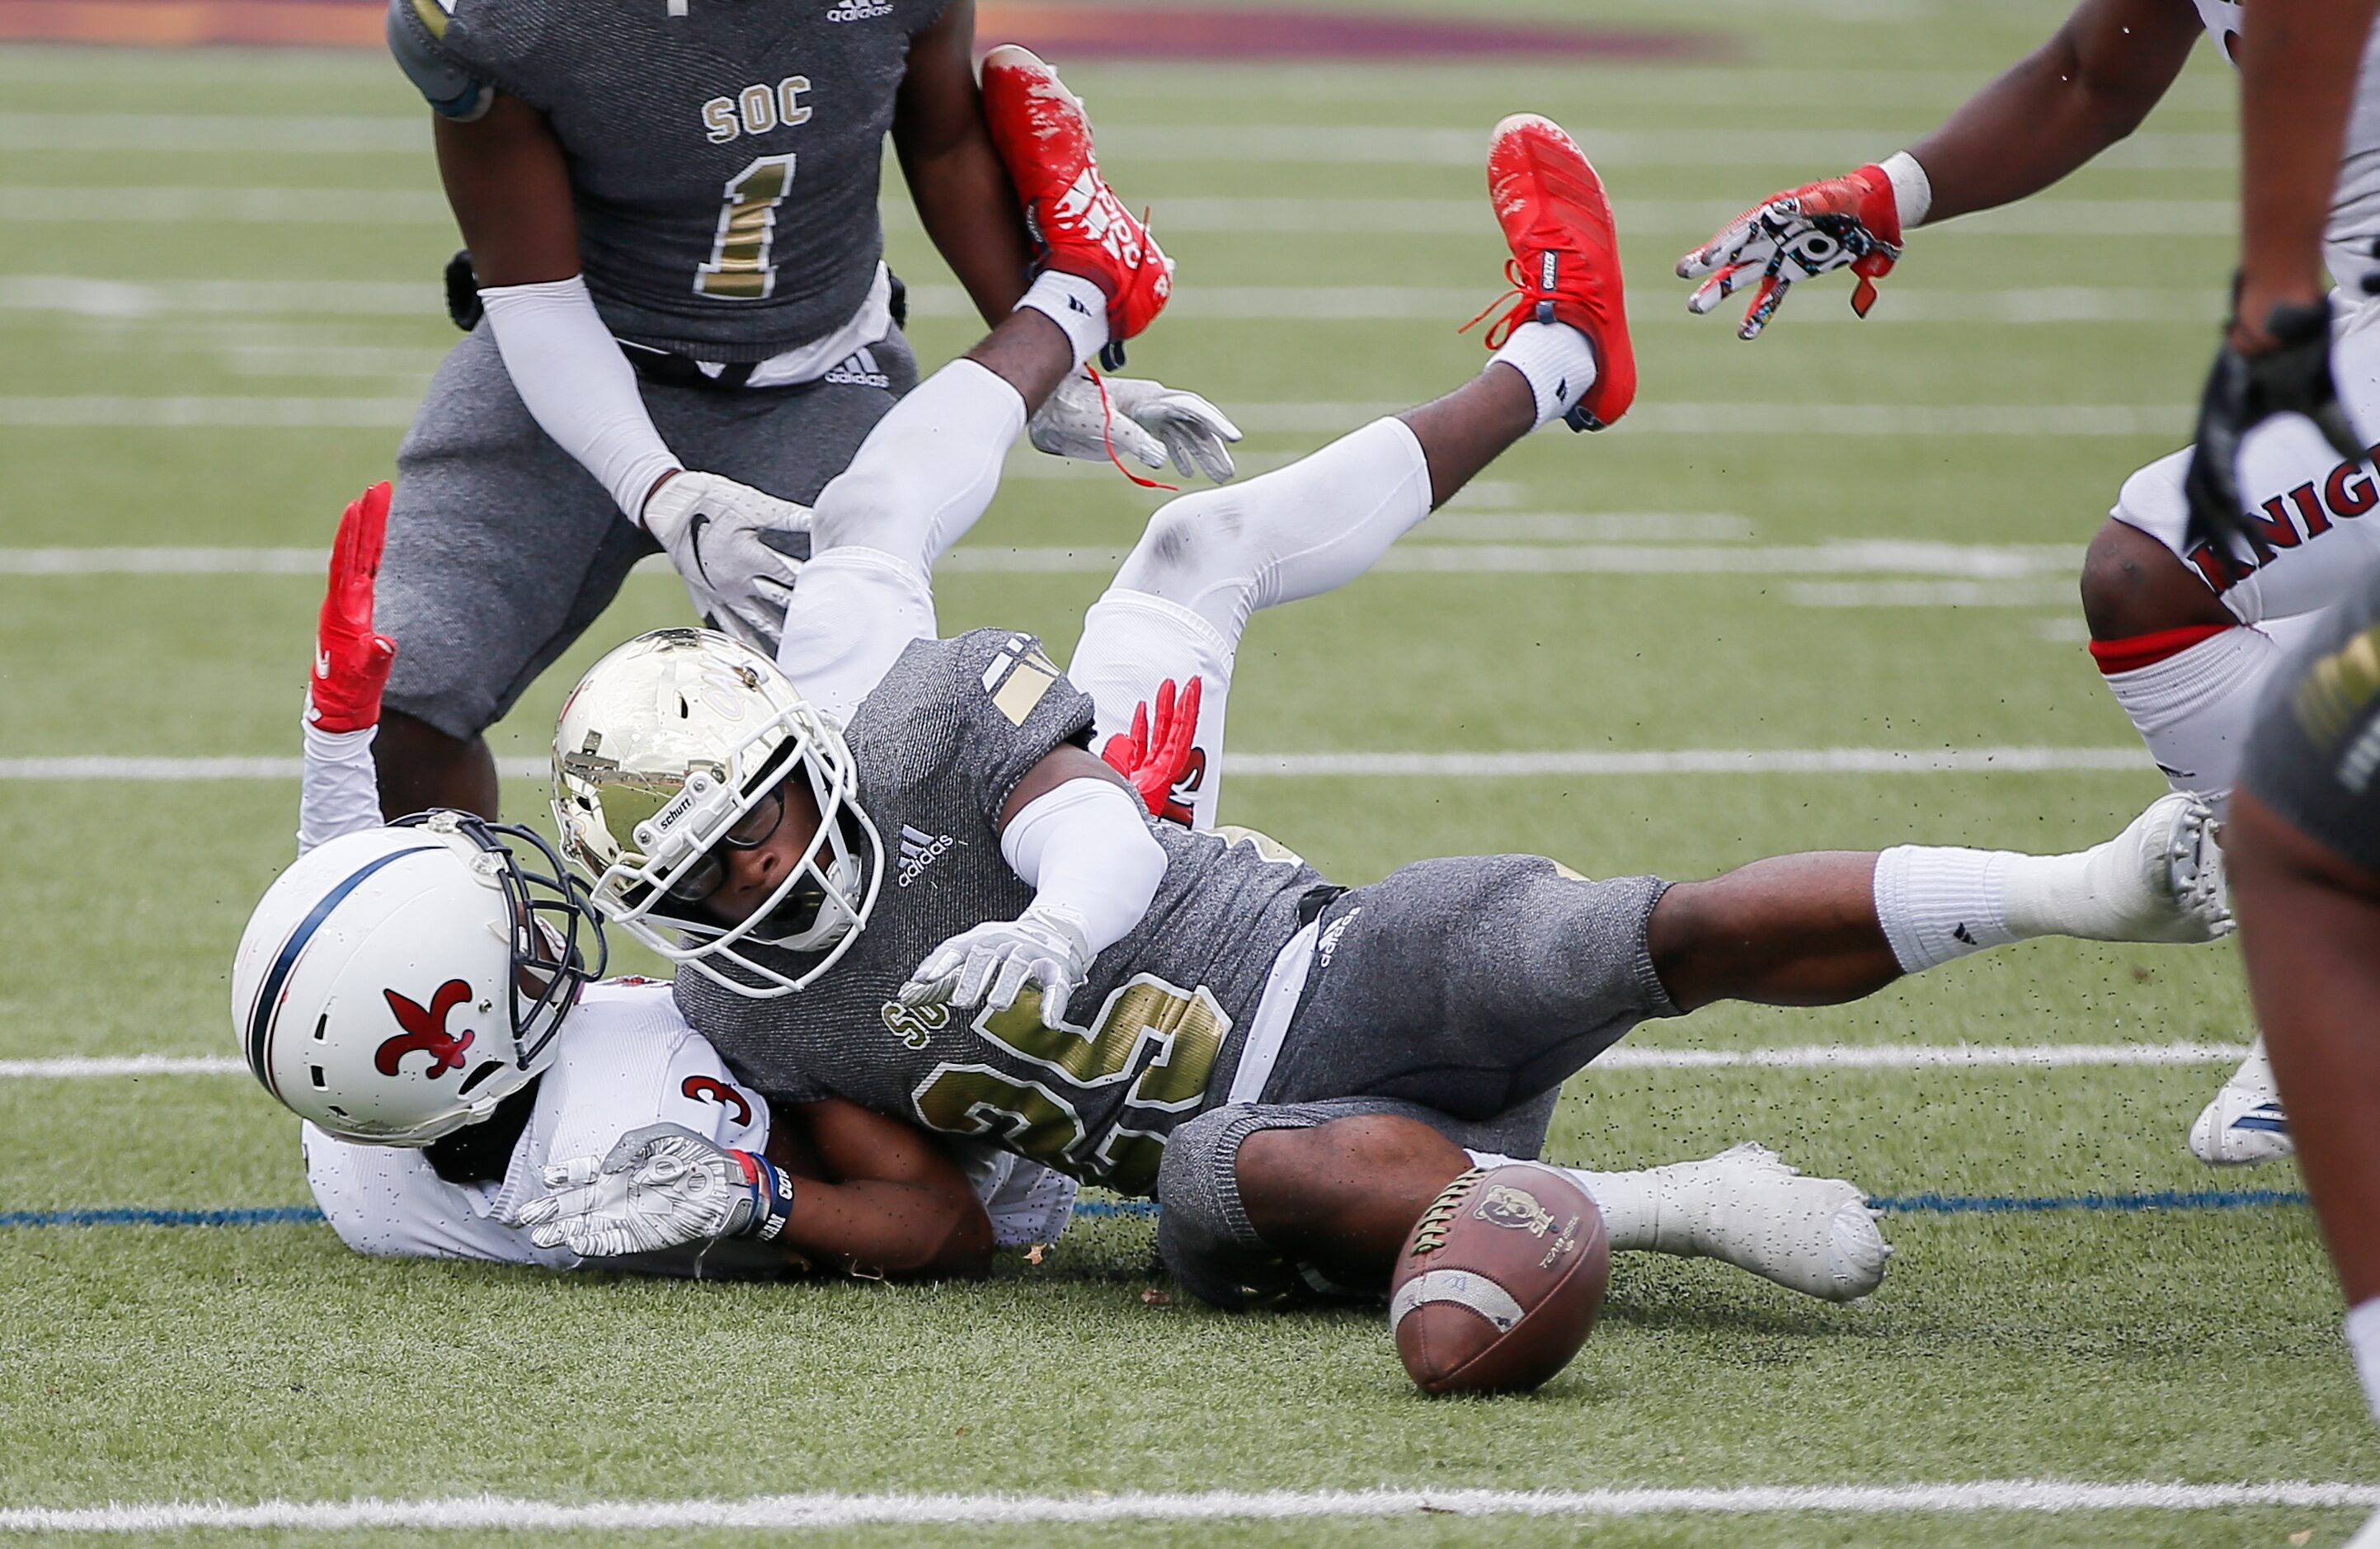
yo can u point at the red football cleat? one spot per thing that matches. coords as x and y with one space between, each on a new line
1565 257
1083 229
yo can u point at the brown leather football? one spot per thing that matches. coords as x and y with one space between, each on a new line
1500 1281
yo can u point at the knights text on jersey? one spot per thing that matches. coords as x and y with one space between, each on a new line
723 160
941 744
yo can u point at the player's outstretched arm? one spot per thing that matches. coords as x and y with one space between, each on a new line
339 793
2077 94
897 1204
894 1203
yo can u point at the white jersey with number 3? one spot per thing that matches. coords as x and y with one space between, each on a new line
627 1059
2355 205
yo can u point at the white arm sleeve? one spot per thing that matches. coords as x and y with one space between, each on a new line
1086 849
578 386
339 793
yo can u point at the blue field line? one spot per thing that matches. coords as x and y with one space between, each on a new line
2162 1198
266 1215
1097 1210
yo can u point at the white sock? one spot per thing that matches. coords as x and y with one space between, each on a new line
1937 904
1632 1205
2195 708
2363 1339
1294 532
1557 361
1075 305
1131 643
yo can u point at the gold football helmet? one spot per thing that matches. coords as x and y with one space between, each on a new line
664 750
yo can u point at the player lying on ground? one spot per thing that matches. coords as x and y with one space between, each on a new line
682 338
2187 633
2304 834
1743 1207
444 1055
1292 1069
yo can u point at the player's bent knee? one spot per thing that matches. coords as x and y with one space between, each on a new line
1188 545
2133 585
1203 1232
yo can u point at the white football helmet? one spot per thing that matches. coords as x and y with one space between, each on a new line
397 985
666 749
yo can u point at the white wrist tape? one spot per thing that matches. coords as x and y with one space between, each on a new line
1086 850
579 387
1075 305
1912 191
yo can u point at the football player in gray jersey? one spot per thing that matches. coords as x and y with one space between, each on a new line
933 900
687 325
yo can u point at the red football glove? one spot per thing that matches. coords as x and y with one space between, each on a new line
351 662
1851 222
1158 752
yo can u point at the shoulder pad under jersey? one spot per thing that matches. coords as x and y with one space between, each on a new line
413 27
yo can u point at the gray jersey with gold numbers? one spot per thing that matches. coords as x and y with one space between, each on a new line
724 162
941 744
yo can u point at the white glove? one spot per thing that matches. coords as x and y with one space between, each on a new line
737 549
657 1188
1150 420
992 964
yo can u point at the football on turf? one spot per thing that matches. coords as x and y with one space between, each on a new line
1500 1281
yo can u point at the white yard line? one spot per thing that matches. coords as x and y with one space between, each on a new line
1251 766
1385 303
1427 215
210 412
490 1512
202 204
1773 761
2027 421
196 203
1809 1056
119 1065
1465 543
1932 594
1373 144
80 297
1914 1056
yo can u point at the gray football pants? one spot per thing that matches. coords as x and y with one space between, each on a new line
1459 993
501 550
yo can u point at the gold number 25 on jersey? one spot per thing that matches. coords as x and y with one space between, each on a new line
1039 1118
742 267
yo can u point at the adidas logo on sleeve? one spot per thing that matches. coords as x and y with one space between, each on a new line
859 369
856 10
920 849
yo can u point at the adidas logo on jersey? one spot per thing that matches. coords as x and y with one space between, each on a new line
919 850
855 10
859 370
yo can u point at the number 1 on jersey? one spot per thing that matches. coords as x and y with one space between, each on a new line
740 267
